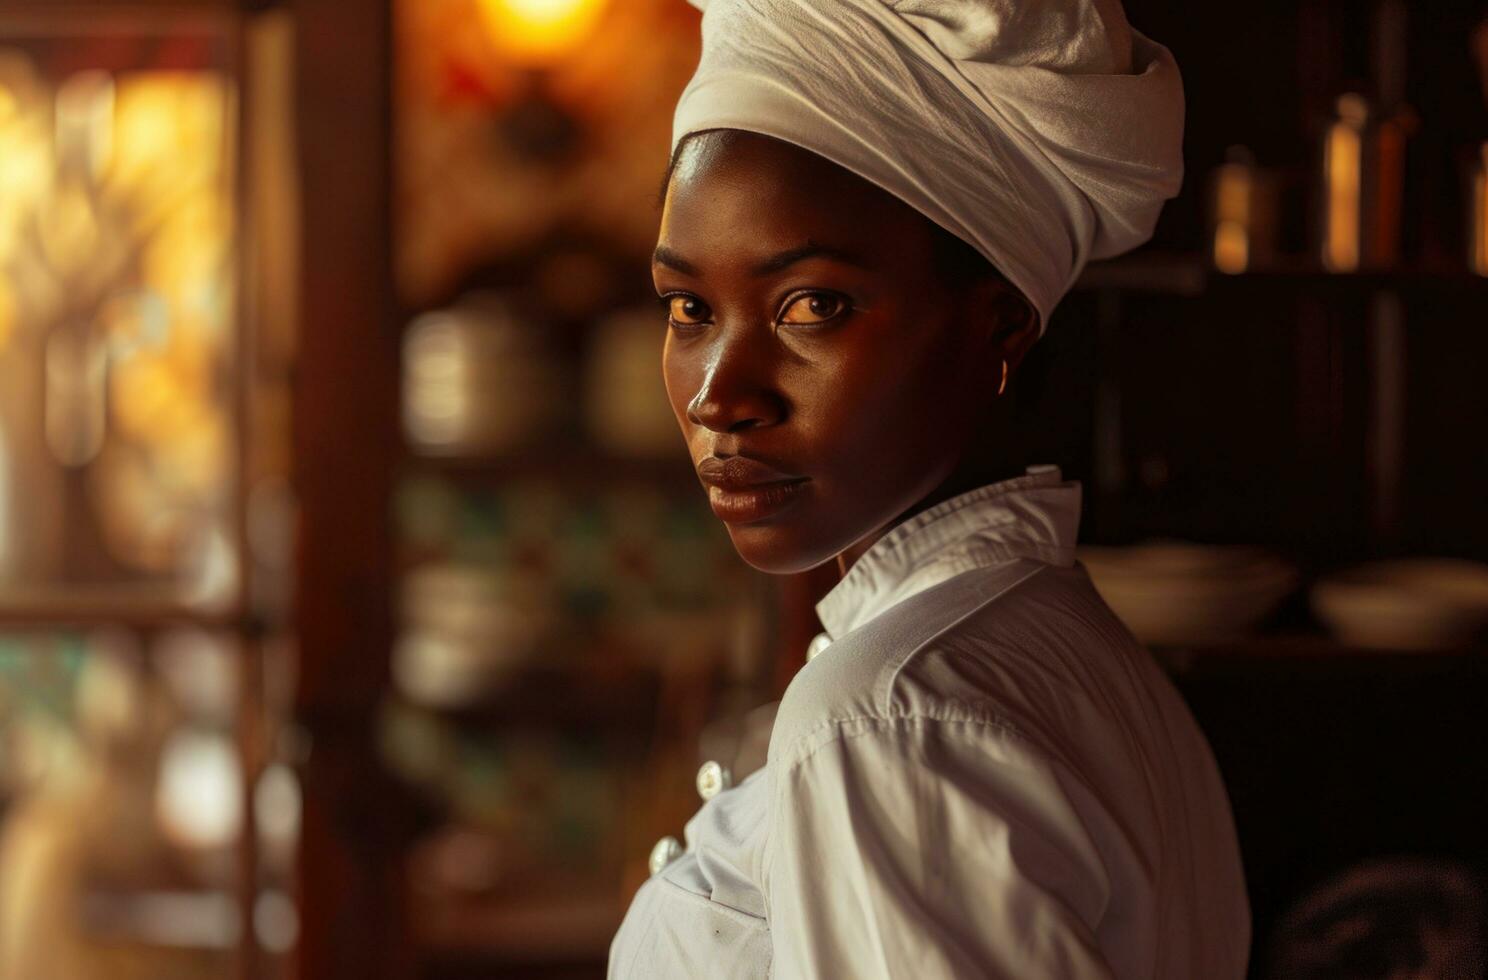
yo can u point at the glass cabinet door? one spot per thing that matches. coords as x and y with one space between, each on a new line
147 827
118 295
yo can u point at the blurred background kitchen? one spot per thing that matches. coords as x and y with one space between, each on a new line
360 614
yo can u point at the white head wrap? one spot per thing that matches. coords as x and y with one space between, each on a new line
1043 132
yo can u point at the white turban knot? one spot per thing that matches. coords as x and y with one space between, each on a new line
1045 133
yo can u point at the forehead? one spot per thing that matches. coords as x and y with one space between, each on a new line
742 190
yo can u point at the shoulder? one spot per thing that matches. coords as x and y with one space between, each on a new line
1000 648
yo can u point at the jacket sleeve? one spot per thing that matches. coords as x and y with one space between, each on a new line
912 847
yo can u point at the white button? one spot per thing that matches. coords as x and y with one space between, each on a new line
1038 468
818 643
713 779
667 850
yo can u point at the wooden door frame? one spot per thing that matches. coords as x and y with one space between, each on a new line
345 455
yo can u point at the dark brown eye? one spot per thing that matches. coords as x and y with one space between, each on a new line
811 308
687 311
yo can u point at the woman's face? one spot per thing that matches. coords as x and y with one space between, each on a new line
825 377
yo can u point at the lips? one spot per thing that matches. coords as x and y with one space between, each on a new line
742 490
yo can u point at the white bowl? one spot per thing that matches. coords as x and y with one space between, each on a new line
1173 593
1408 604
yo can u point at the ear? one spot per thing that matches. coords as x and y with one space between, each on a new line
1008 325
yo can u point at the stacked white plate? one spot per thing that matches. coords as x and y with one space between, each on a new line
1407 604
464 635
1177 593
625 400
478 380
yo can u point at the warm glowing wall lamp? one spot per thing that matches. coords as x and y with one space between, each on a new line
539 32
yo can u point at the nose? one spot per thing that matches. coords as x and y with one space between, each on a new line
738 391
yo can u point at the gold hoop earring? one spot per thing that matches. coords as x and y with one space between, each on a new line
1003 387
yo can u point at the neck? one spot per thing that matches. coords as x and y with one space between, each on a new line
969 475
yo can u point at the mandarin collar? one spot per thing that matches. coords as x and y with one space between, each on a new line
1036 516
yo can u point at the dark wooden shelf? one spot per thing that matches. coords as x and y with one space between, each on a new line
1315 653
198 919
1333 755
539 928
130 606
1175 273
577 464
1190 274
569 698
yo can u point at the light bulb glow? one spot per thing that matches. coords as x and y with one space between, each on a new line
538 31
198 799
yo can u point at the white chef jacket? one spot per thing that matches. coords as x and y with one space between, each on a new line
983 775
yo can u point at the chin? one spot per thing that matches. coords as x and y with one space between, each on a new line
778 550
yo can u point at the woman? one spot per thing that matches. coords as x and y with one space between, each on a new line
873 207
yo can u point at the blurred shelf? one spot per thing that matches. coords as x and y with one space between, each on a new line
567 464
204 919
562 926
1190 274
1175 273
574 699
127 605
1315 652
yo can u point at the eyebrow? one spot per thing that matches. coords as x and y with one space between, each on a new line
775 263
670 259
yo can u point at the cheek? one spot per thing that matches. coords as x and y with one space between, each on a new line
889 429
939 380
681 376
889 405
